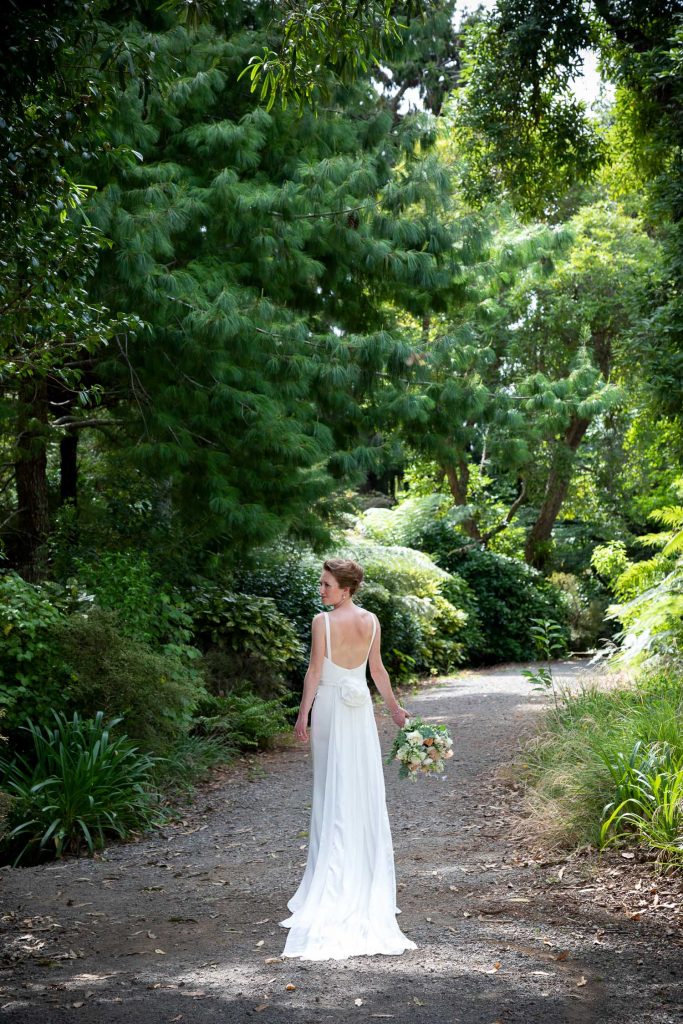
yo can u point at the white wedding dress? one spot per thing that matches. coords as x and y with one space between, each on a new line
346 902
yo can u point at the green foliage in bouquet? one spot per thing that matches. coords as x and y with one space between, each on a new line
77 786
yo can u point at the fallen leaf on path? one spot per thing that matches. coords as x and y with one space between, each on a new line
261 1006
491 970
260 942
582 981
628 856
290 988
264 921
418 1002
162 951
78 1004
563 955
273 960
358 1002
151 935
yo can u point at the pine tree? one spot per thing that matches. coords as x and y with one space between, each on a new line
271 255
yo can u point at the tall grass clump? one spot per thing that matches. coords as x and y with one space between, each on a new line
79 786
577 767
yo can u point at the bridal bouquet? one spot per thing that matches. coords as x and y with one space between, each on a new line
419 747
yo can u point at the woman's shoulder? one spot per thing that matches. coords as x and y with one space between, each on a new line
367 616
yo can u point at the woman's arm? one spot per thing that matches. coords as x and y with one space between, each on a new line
312 677
380 677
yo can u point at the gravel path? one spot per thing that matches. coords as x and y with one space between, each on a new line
182 926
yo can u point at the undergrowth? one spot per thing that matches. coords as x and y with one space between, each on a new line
606 768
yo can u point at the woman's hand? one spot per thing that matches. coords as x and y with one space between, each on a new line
301 728
399 716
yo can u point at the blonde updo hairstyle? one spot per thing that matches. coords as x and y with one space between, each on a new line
346 572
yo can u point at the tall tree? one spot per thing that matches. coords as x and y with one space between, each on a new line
270 253
49 325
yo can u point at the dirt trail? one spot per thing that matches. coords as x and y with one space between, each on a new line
181 926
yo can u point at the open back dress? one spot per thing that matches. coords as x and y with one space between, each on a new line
346 902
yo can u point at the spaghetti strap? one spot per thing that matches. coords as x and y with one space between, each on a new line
374 630
327 635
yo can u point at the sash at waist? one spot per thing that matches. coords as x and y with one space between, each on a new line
353 691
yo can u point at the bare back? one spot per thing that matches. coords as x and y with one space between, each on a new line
351 631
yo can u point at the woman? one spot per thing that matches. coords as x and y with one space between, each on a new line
346 902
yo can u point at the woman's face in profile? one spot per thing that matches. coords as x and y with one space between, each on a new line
329 589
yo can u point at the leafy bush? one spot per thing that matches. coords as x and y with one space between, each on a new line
585 603
405 524
79 786
242 720
402 634
246 640
648 801
32 671
289 575
423 630
189 760
123 582
651 594
115 674
572 766
63 653
509 595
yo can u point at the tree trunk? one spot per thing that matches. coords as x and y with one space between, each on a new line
30 470
68 467
458 482
536 549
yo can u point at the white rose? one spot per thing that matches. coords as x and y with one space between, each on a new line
414 736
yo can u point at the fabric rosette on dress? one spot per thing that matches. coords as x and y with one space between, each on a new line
353 692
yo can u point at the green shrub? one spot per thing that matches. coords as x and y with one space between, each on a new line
79 786
243 719
246 641
585 602
288 574
509 595
113 673
190 760
32 672
570 766
648 801
402 634
405 524
124 582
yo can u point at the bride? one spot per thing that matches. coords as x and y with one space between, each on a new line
346 902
